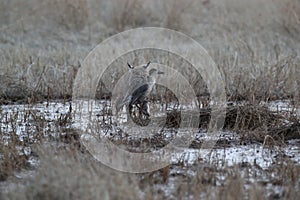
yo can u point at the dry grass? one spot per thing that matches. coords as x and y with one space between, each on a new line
64 174
257 54
12 160
255 44
21 129
67 171
67 175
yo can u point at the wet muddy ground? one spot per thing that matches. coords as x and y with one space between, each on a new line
65 124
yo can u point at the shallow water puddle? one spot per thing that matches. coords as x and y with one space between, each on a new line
54 118
244 154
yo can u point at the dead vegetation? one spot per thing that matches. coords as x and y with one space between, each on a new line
63 161
22 128
11 161
256 67
66 175
255 45
71 175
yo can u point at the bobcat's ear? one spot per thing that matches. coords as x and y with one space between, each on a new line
130 66
147 64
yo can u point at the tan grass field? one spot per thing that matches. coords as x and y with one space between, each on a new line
255 44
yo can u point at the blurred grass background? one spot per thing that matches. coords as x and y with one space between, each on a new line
255 44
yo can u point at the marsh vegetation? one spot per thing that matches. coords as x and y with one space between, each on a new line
255 45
